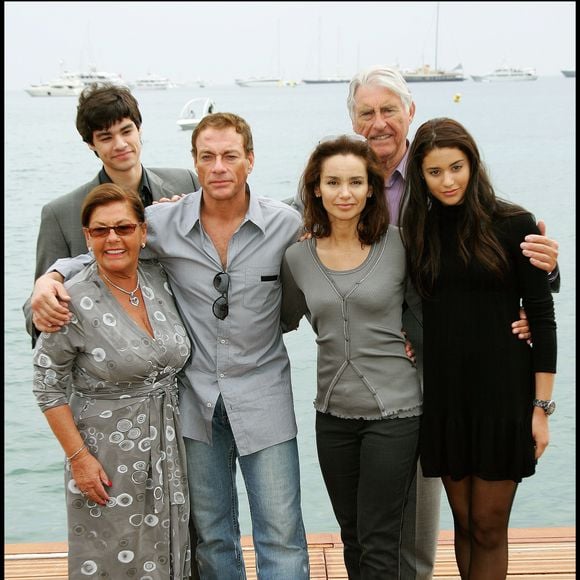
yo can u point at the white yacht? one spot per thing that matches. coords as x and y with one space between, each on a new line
152 82
94 76
506 73
61 87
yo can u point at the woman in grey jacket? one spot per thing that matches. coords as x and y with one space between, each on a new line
350 281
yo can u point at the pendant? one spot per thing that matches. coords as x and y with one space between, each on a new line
134 300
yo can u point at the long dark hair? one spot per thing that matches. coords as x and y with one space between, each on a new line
420 225
374 219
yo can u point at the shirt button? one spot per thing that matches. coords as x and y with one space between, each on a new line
208 404
222 375
223 341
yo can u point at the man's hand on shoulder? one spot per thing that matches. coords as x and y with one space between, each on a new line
175 197
49 303
541 250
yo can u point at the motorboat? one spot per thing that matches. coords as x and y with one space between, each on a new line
194 111
152 82
61 87
426 74
506 73
570 74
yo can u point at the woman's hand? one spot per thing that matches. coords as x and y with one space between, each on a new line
540 431
409 350
90 477
522 328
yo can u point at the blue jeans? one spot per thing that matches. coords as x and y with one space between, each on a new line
272 480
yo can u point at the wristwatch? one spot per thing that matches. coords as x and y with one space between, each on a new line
548 406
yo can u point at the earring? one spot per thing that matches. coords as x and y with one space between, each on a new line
143 245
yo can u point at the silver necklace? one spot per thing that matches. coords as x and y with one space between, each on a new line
132 298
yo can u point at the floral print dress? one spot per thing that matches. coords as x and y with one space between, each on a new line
124 401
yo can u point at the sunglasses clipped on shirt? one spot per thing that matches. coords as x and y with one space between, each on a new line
220 307
121 230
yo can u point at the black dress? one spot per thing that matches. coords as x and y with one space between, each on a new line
478 376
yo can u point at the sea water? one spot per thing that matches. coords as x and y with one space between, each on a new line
526 135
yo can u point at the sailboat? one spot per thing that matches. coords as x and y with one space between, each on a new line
320 80
273 81
426 74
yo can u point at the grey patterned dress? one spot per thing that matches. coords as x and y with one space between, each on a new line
124 401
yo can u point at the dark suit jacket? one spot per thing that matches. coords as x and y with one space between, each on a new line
61 233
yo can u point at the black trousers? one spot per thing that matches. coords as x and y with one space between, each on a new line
368 467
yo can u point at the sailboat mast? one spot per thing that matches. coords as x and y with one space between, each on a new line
436 36
278 51
319 48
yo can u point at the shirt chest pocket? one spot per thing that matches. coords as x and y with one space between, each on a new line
262 284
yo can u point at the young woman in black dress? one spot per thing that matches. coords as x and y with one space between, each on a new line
487 395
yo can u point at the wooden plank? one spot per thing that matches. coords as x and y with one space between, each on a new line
535 554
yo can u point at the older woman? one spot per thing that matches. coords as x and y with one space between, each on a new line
125 473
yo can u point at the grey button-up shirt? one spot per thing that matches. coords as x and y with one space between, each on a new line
242 357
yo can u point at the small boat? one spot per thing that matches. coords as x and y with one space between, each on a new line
61 87
152 82
570 74
258 82
506 73
194 111
326 81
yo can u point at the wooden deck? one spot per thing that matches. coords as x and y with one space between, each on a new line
535 554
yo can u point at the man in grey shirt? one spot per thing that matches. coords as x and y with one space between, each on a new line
222 248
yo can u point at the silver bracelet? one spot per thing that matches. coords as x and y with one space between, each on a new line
69 459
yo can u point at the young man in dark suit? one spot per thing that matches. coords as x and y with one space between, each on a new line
109 122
